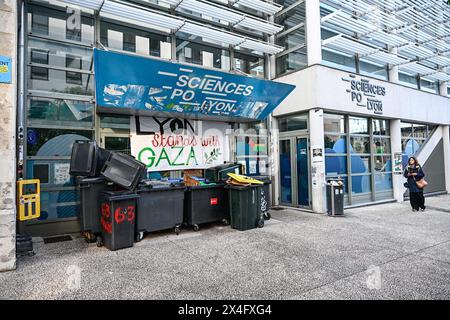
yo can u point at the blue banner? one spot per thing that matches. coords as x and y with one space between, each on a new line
126 83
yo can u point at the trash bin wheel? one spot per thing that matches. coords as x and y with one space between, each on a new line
196 227
177 230
225 222
99 241
261 223
90 237
139 236
267 216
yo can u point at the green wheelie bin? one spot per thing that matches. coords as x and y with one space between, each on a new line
245 211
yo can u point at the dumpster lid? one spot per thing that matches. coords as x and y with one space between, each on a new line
207 186
236 187
90 179
119 195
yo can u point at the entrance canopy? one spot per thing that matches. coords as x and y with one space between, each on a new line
137 85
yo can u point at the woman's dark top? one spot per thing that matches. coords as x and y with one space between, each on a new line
412 179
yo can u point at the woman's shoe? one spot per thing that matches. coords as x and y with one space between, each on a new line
414 210
422 209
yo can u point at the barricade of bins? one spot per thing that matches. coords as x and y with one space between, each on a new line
119 205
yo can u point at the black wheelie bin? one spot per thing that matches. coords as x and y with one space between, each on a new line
123 170
245 213
160 207
205 204
87 158
90 191
265 200
118 219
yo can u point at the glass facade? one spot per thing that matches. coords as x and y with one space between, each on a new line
60 81
292 38
358 150
414 135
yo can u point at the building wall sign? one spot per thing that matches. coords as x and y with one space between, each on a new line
178 144
131 83
5 69
366 94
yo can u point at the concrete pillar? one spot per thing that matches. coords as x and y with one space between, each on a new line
274 158
312 31
443 89
446 141
8 45
396 146
317 156
393 70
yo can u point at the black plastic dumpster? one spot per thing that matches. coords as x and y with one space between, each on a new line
335 197
123 170
118 216
219 173
87 158
245 210
90 191
265 200
160 207
205 204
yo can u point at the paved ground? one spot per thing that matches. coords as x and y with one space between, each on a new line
378 252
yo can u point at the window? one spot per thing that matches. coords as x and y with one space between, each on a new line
293 37
339 60
408 79
61 24
293 123
252 65
47 111
40 57
196 53
372 69
124 38
358 150
292 61
39 24
414 136
73 62
429 86
53 142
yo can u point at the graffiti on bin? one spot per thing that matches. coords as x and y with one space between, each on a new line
104 220
263 202
120 215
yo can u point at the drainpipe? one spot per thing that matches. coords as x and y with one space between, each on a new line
21 94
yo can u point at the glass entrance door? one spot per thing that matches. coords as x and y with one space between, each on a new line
294 172
285 172
302 172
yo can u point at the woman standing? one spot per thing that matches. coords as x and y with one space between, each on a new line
413 172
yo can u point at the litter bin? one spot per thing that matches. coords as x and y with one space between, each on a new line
245 210
118 215
123 170
265 201
90 191
335 197
160 207
205 204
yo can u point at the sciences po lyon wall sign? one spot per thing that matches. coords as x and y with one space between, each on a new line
130 84
363 93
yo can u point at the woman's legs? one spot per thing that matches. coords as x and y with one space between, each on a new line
414 200
421 200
